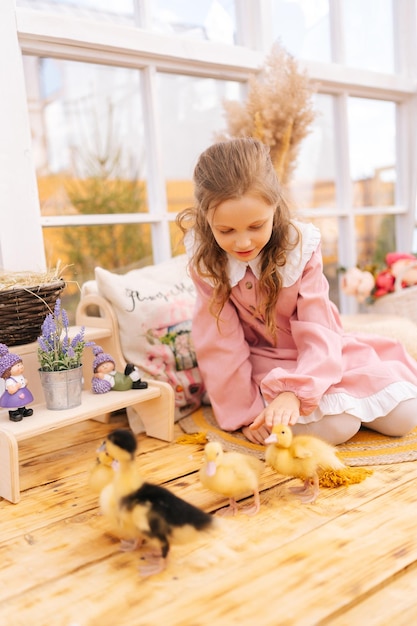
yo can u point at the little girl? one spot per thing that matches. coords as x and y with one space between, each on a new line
269 342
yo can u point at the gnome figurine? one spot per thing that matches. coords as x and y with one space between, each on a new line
16 395
106 378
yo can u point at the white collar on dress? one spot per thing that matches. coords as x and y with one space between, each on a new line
237 269
292 270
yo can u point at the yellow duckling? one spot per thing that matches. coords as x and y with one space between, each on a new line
231 474
300 456
139 510
120 447
102 472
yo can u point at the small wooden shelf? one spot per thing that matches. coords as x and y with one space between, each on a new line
154 405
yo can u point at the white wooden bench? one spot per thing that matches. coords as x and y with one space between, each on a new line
155 406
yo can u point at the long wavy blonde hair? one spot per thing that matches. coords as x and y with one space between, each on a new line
229 170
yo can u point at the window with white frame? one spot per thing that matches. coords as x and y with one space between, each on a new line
117 109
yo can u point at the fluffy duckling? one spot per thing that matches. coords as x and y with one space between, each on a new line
140 510
231 474
125 479
300 456
102 472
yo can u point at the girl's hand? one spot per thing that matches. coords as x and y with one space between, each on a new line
256 436
284 409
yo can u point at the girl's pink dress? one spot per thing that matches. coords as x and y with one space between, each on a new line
330 371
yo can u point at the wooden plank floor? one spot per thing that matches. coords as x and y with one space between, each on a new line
350 558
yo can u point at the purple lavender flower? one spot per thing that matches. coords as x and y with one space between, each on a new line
56 351
79 338
65 320
43 344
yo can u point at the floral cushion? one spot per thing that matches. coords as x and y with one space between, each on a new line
154 307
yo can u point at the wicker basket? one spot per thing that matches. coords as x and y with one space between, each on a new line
23 310
402 302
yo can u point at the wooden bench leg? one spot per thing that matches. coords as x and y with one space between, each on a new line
9 468
156 416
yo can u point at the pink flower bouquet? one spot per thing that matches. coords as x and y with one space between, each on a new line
367 286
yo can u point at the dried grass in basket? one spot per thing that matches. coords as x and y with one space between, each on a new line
25 300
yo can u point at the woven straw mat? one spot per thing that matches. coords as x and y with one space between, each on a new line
365 448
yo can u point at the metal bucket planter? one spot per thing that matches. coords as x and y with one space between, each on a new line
62 389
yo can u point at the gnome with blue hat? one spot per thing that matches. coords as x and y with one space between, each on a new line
16 395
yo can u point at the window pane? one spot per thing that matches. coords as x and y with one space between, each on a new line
177 246
329 246
205 19
375 238
313 183
188 126
302 26
88 137
372 140
116 247
121 11
88 145
369 37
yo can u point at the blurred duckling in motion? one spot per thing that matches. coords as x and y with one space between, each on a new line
125 479
141 511
300 456
102 473
233 475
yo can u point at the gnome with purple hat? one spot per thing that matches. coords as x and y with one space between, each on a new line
106 378
16 395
